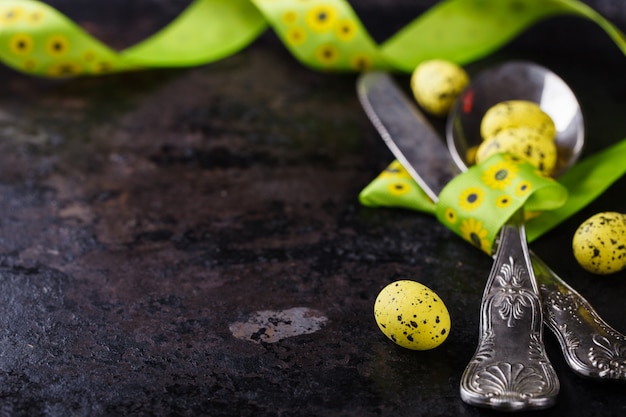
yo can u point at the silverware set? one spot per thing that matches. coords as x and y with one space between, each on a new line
509 369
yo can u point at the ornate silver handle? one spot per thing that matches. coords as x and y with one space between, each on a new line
510 369
591 347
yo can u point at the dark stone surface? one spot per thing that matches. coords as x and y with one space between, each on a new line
142 214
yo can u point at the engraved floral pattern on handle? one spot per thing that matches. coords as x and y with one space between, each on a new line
591 347
609 357
512 300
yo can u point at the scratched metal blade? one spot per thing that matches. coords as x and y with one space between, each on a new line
407 133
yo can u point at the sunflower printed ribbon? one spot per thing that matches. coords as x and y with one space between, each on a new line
322 34
478 202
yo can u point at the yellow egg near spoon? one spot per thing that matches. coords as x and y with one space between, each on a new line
412 315
516 81
436 84
522 141
514 114
520 128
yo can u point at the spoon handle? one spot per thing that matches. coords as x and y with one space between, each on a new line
590 346
510 369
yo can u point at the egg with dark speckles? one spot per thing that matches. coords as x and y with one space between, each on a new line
599 243
436 84
412 315
524 142
516 113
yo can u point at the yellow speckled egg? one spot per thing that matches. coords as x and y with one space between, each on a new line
599 243
516 113
523 142
412 315
436 84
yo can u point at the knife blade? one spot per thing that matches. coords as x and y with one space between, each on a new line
417 146
407 133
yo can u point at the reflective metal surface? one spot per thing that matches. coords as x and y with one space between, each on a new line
591 347
510 369
517 80
407 133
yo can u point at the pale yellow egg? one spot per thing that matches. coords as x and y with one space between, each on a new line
436 84
599 243
517 113
412 315
524 142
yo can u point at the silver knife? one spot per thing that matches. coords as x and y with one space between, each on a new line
590 346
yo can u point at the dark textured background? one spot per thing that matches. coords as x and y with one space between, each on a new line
142 214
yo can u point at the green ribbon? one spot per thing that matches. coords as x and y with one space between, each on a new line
476 204
322 34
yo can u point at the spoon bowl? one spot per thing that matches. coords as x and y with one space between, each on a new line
517 80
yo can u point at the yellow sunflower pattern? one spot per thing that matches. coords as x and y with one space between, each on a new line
324 33
38 39
472 230
488 194
395 187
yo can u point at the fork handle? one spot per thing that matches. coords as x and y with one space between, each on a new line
590 346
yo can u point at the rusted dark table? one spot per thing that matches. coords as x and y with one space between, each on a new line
156 228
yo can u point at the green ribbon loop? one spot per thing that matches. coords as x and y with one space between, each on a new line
321 34
395 188
557 200
477 203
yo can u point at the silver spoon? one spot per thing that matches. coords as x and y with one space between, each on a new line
590 346
510 369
